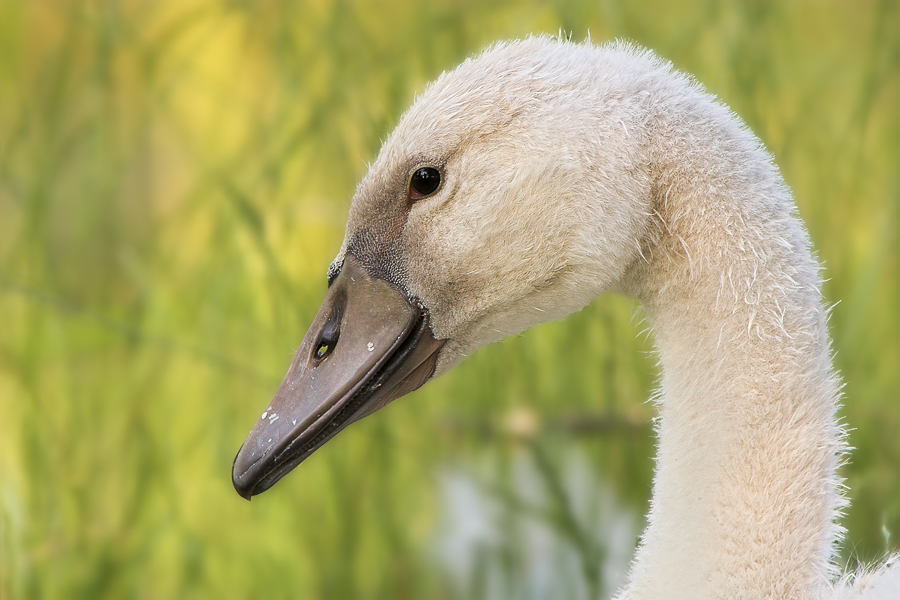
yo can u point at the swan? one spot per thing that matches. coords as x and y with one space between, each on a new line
528 181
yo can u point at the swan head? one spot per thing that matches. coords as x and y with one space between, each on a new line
512 192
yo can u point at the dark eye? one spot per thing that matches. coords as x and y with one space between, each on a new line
424 182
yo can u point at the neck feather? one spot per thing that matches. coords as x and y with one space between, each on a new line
745 494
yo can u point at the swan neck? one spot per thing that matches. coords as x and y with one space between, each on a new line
745 493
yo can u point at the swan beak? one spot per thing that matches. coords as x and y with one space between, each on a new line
369 344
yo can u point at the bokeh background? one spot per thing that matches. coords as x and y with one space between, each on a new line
174 179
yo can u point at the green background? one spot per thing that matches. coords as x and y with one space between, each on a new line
174 179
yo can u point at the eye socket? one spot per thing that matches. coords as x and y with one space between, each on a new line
424 182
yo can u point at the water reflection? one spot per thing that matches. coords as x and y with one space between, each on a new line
537 522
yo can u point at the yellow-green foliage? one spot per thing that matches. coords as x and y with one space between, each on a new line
174 178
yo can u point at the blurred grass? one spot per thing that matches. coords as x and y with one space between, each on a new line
174 179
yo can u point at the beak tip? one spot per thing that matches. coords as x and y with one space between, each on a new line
244 491
242 484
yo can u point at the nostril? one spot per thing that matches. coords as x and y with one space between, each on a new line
325 346
323 351
328 338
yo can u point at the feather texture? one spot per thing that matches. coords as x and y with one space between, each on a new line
570 170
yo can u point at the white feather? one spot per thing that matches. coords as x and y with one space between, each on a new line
569 170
